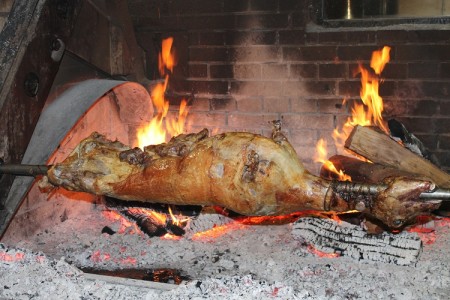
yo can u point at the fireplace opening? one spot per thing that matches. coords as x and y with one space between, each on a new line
257 67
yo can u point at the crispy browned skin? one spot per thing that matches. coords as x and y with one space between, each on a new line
247 173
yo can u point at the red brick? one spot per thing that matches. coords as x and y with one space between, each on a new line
443 157
395 70
392 37
223 104
247 71
349 88
308 88
250 38
303 71
207 119
332 71
423 108
445 108
291 37
264 54
442 125
443 141
421 125
299 20
332 37
355 53
211 38
256 88
303 105
249 104
423 36
422 53
300 121
333 105
291 5
395 108
211 87
208 54
198 70
221 71
199 104
181 7
277 104
444 70
263 5
262 21
274 71
436 89
250 121
303 137
218 22
236 5
411 89
309 53
361 37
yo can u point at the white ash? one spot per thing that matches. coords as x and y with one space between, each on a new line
330 236
266 253
34 276
205 222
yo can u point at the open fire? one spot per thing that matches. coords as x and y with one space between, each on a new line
369 113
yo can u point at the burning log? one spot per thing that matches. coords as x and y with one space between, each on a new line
380 148
331 237
361 171
246 173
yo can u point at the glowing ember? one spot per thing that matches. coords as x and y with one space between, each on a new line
172 237
125 225
163 126
98 256
217 231
427 232
319 253
321 157
11 258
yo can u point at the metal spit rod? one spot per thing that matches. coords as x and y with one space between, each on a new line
24 170
373 189
339 186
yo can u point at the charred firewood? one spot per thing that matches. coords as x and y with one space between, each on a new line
153 221
350 240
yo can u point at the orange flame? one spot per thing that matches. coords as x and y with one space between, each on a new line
368 113
163 126
180 220
321 157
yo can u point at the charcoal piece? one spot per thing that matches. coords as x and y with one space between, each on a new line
146 223
330 236
175 229
156 275
108 230
166 276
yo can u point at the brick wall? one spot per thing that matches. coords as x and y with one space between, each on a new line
246 62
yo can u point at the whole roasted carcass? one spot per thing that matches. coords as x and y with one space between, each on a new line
246 173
